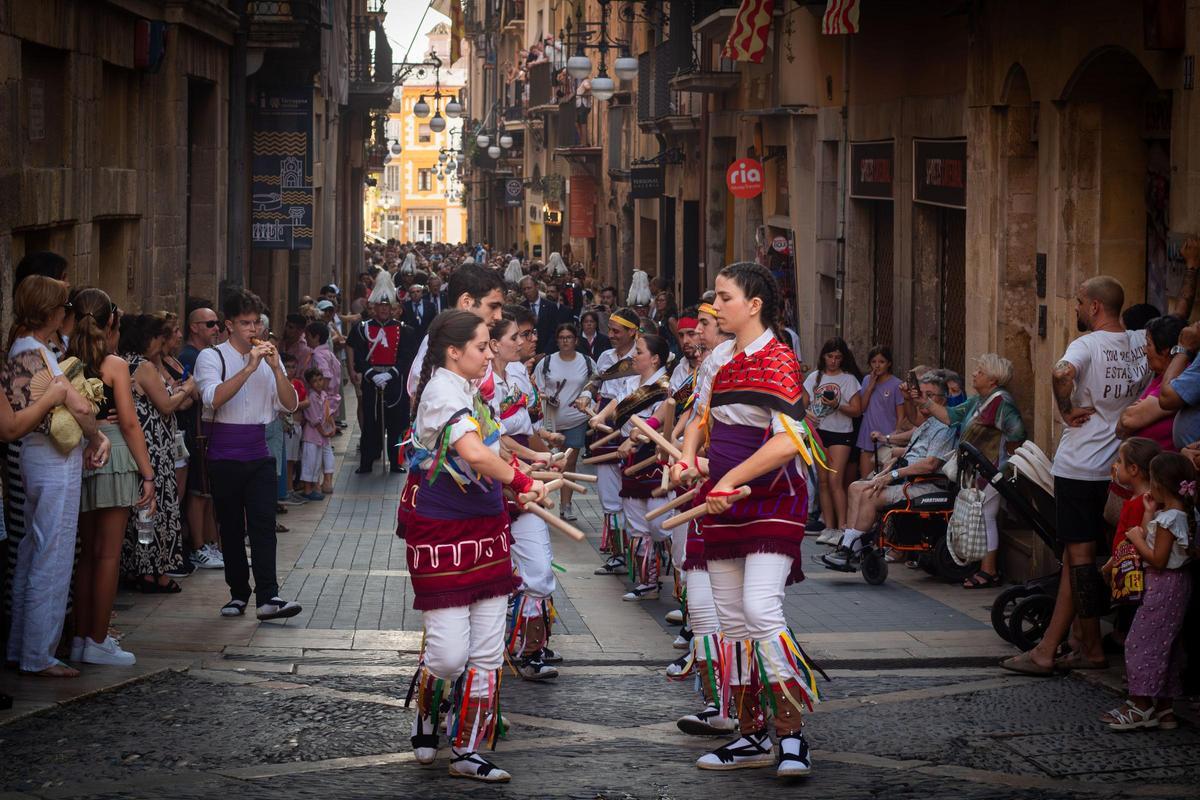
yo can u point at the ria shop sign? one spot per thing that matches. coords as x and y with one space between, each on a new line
744 178
514 192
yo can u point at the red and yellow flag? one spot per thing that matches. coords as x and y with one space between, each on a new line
841 16
748 38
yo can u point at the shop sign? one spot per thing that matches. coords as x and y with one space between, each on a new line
281 193
582 197
646 183
780 245
744 178
940 172
872 169
514 192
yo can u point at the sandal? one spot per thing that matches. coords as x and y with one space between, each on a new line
1025 665
56 670
1130 717
1075 660
148 585
1166 719
981 580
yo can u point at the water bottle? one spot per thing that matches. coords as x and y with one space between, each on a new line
145 525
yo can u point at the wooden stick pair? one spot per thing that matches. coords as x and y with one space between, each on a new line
681 500
527 503
701 510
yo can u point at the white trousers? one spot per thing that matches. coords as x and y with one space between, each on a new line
532 552
991 507
466 636
748 594
608 486
42 577
316 461
636 509
701 611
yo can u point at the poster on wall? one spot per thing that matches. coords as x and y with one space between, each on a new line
281 200
940 172
645 183
872 169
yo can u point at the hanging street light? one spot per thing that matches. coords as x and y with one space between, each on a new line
493 152
421 108
482 140
579 66
506 141
438 123
603 86
454 108
625 67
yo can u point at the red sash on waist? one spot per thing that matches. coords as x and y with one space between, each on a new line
454 563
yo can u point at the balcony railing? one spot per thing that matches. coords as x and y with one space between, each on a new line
370 55
656 69
513 12
540 89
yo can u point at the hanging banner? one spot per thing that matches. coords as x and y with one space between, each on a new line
744 178
841 16
582 197
645 183
751 28
281 201
514 192
940 172
872 169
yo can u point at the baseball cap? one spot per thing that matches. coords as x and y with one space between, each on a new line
324 305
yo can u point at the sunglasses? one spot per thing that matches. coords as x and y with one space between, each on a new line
68 305
211 323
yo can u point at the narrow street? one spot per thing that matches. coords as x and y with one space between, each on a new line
314 707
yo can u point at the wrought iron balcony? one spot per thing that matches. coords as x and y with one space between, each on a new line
370 65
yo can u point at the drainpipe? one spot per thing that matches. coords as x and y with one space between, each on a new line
843 191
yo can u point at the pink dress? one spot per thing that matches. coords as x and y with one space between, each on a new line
1161 431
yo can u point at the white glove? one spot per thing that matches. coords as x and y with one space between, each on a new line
381 379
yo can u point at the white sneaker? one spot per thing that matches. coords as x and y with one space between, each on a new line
643 591
107 652
681 642
277 608
708 722
746 752
830 536
794 759
674 616
76 648
425 745
473 765
208 558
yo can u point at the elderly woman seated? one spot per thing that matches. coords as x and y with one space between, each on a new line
930 445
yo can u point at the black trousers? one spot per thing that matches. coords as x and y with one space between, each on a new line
243 495
383 412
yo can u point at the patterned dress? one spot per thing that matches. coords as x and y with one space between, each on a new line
165 553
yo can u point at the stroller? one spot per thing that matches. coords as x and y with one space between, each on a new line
1020 614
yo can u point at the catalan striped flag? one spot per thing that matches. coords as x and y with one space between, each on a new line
841 16
751 26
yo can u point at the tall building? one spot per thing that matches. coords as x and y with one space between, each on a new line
419 195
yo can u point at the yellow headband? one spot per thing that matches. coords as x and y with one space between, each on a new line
705 308
633 326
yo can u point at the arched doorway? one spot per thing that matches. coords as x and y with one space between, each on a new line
1114 150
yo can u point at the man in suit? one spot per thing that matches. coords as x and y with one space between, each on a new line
418 311
547 314
436 295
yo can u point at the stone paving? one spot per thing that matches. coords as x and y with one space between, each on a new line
314 707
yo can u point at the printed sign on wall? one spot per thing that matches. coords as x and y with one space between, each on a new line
281 201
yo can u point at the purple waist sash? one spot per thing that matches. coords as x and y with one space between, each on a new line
730 445
443 499
229 441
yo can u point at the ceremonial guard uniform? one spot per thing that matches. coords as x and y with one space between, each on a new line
377 349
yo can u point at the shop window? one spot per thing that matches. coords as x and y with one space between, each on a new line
425 180
424 133
391 178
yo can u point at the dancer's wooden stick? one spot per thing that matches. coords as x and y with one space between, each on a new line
700 511
603 459
641 465
570 476
681 500
554 521
656 437
603 440
560 482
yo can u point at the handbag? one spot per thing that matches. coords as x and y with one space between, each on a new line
985 438
966 532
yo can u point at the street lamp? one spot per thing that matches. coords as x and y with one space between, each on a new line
506 141
578 65
626 68
421 108
438 123
454 108
493 152
603 86
482 140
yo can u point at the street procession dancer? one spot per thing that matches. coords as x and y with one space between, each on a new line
646 401
614 380
704 657
376 343
458 545
752 545
511 396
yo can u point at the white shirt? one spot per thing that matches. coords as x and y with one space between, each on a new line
445 395
738 413
1174 523
618 388
563 380
515 379
648 411
683 371
842 388
414 372
256 403
1110 373
25 343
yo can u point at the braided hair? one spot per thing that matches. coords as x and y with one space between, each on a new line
755 280
451 328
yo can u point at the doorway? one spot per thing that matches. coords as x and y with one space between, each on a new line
952 262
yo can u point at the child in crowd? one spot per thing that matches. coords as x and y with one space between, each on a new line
1131 471
1154 648
316 453
292 427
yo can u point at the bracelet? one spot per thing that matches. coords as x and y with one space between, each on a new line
715 493
147 480
684 464
520 483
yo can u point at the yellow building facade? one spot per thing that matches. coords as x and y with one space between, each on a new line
419 194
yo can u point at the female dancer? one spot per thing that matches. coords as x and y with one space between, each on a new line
457 537
752 545
531 538
650 366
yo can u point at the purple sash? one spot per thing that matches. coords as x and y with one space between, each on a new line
229 441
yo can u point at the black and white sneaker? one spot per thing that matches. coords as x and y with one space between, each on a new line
551 656
674 616
840 560
709 722
615 565
643 591
746 752
234 608
794 759
680 666
534 669
278 608
473 765
424 740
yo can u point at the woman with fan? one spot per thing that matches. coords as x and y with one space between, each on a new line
142 339
127 480
52 462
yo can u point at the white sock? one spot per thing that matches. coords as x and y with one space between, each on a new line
850 537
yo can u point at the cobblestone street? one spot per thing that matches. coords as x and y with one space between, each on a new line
314 707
